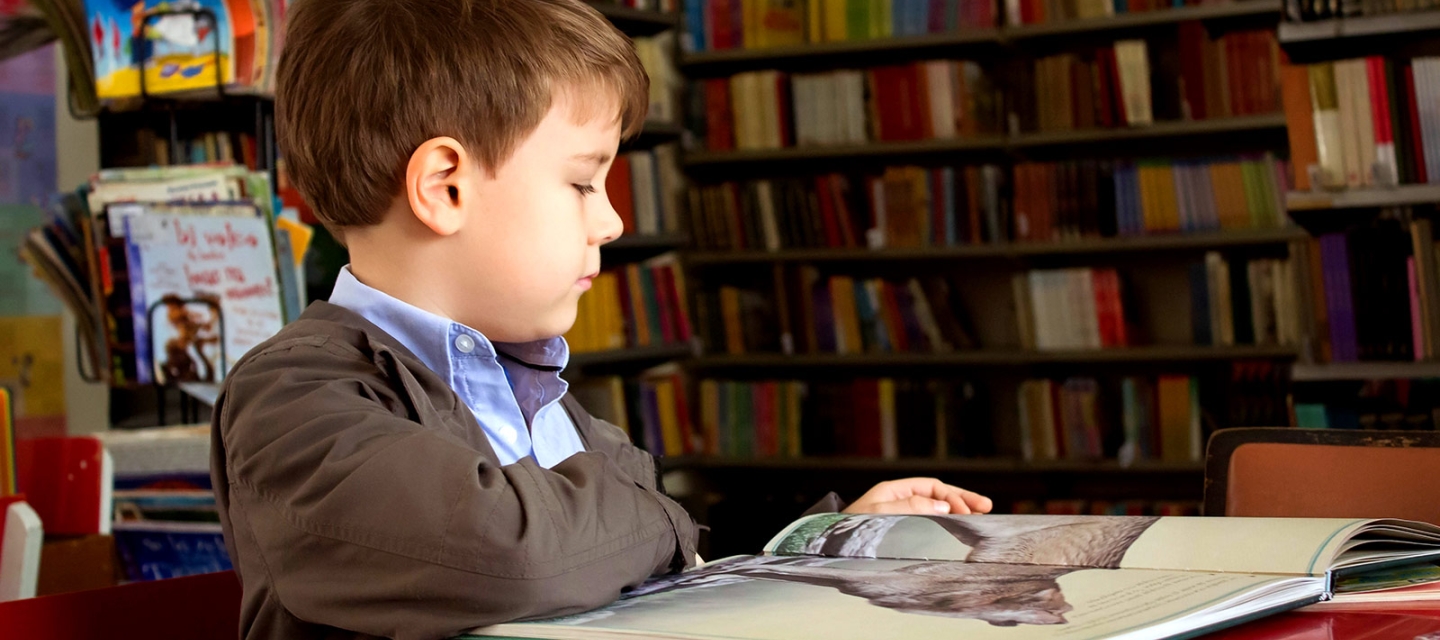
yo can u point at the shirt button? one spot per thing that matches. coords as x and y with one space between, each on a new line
508 435
464 343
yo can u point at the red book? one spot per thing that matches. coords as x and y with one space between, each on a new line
719 121
617 186
1058 424
1112 72
1103 316
766 421
828 219
694 442
632 337
1379 100
1234 69
683 330
723 25
1412 114
867 437
68 481
665 303
898 103
839 188
1192 67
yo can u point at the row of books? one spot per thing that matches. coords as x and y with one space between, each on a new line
1390 405
638 305
1077 308
1364 122
1081 419
1056 200
173 273
1239 301
836 314
656 55
1025 12
918 101
1131 83
1164 508
1234 74
1375 291
654 408
645 188
952 206
759 24
222 147
232 43
873 417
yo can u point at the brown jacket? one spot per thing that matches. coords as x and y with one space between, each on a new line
360 498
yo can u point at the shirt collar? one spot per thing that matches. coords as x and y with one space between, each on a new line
429 335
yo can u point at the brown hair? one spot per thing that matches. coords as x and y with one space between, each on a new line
362 83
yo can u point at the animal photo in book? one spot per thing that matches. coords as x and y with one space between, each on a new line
188 342
1004 596
1075 541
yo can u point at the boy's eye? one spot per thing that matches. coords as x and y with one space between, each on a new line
584 189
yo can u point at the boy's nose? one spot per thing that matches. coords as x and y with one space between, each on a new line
605 224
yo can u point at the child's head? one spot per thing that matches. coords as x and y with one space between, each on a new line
459 148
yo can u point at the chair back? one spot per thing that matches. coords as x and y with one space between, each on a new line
194 607
1323 473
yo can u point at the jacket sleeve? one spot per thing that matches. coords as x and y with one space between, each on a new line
367 521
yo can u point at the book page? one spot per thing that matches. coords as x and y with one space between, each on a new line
1255 545
800 598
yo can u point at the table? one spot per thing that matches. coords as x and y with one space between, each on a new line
1409 624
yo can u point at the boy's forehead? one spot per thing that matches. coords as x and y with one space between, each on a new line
587 105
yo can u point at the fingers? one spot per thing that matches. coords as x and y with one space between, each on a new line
914 505
960 500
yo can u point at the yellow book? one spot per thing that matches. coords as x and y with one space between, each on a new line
835 25
300 236
881 25
782 22
847 316
730 311
889 440
1165 198
616 386
751 35
710 416
1174 392
796 392
670 434
1149 208
612 317
814 21
7 444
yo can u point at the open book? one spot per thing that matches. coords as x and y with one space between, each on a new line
835 576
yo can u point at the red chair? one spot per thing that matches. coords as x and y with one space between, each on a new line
191 608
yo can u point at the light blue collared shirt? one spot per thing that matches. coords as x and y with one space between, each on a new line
508 386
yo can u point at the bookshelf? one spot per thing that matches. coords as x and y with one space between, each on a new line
967 42
637 22
780 365
981 268
626 359
988 146
1321 31
1396 196
1361 371
1190 242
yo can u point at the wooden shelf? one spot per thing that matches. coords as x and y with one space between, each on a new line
878 150
647 242
729 61
1360 371
637 22
636 355
957 44
994 144
920 465
1011 251
1398 196
1359 26
1219 11
990 358
1175 129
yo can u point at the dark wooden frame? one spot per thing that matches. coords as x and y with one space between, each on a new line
1224 442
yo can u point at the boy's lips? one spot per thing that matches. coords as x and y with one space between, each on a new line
585 282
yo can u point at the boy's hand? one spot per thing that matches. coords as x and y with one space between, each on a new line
919 496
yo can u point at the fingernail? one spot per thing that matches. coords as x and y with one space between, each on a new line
942 507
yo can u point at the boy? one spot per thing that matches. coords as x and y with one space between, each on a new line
403 460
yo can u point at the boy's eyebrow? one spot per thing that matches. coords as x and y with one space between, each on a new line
594 157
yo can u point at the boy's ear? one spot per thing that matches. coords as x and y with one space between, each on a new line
435 184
